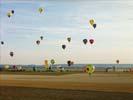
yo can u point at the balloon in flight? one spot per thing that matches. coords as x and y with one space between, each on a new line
11 54
69 39
40 9
91 41
63 46
85 41
37 42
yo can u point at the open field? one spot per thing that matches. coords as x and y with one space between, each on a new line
26 93
112 86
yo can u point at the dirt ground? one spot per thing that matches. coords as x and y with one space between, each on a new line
26 93
108 86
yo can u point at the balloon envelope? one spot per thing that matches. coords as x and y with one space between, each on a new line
69 63
63 46
117 61
11 54
91 22
94 25
52 61
41 37
37 42
69 39
12 11
91 41
2 42
40 10
90 68
85 41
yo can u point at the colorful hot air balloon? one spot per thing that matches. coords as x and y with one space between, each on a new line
117 61
40 9
90 69
69 63
92 21
41 37
69 39
37 42
94 25
11 54
91 41
2 42
63 46
85 41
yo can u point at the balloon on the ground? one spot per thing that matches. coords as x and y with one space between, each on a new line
69 62
37 42
85 41
69 39
90 69
11 54
91 41
40 9
6 67
63 46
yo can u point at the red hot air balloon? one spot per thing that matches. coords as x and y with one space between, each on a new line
91 41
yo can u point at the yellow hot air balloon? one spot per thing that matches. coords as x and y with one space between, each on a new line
46 64
92 21
9 14
40 10
90 69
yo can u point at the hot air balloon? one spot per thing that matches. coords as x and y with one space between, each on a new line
2 42
117 61
11 54
12 11
91 21
9 14
52 61
85 41
94 25
69 39
69 63
63 46
41 37
40 10
90 69
91 41
37 42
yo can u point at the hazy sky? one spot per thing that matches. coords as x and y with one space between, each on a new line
61 19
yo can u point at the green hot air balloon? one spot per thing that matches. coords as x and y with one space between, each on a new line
69 39
52 61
